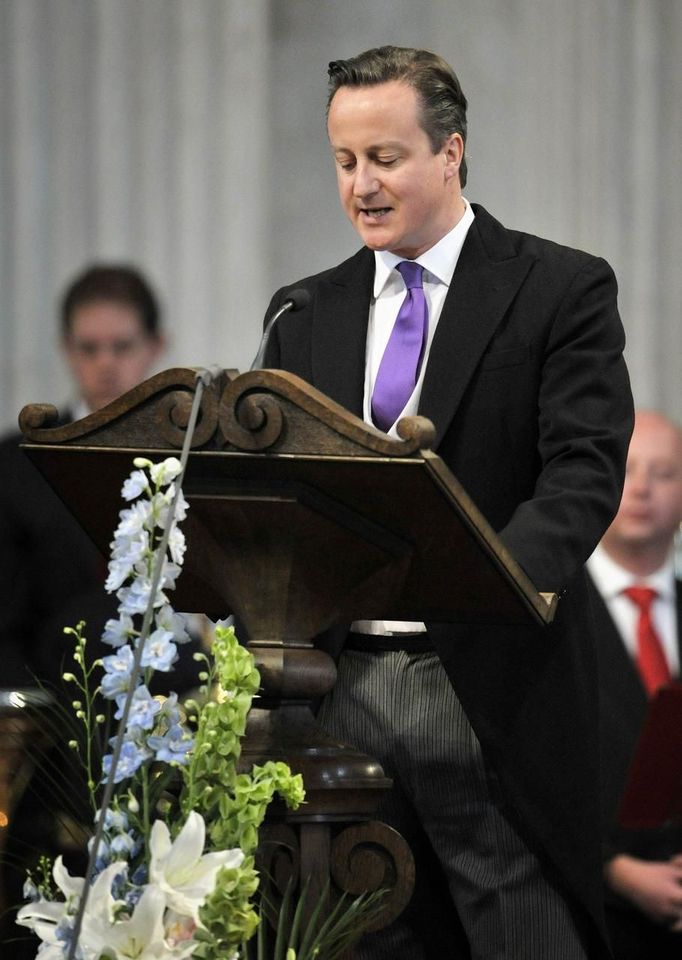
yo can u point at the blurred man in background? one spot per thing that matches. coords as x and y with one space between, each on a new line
637 602
110 334
50 572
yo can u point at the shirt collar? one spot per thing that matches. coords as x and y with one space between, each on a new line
611 579
440 260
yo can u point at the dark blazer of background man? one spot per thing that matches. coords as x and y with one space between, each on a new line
643 869
527 388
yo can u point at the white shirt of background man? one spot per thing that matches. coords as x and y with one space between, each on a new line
611 579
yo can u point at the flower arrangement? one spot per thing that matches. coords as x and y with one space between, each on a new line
172 871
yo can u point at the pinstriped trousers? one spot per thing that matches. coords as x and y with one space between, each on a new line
480 892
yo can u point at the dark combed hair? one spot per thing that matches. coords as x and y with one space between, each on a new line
116 283
443 105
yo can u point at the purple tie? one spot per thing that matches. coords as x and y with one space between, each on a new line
400 364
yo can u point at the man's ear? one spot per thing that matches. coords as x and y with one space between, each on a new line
156 346
453 152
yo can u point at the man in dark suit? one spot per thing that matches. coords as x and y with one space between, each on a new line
634 562
489 734
51 575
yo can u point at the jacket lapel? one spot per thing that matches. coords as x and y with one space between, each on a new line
488 274
339 334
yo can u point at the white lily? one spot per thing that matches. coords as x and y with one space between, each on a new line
42 918
181 869
71 887
50 951
138 937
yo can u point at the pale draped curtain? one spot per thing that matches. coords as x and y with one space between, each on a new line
132 130
188 136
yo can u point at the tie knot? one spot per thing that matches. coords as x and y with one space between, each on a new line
412 273
641 596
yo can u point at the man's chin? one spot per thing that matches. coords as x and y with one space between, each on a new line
373 241
97 403
638 537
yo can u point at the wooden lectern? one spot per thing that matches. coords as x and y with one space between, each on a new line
301 517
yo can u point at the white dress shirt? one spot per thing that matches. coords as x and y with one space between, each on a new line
389 292
611 579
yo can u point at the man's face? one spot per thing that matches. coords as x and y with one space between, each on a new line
396 192
108 351
651 509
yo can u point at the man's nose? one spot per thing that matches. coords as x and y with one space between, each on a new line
365 182
106 358
638 482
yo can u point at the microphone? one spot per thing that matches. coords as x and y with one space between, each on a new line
296 300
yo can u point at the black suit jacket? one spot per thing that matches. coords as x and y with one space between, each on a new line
46 560
530 398
51 577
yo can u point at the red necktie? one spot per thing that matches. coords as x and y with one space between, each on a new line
651 661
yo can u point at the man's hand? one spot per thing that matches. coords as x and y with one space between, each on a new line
654 887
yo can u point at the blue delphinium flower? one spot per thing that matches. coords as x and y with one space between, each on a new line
134 520
140 875
124 845
135 485
173 746
103 854
170 711
117 670
132 757
64 935
143 710
115 820
163 472
119 885
118 632
175 622
134 599
160 653
30 892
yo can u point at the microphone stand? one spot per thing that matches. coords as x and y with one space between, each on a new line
203 379
295 301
